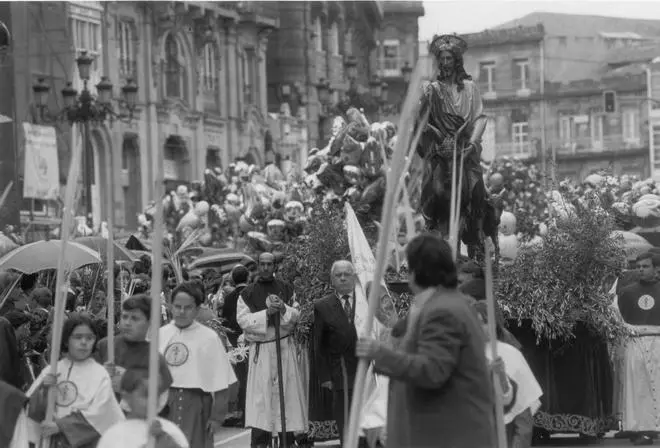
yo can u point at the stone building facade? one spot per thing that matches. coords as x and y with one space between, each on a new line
311 46
397 52
201 72
544 95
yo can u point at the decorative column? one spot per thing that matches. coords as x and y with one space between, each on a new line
231 42
263 78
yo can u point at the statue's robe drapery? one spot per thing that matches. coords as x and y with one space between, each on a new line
450 108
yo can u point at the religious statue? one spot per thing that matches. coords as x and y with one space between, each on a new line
456 123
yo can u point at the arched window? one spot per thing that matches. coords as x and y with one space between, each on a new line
175 69
210 68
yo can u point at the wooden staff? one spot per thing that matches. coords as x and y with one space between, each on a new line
394 173
156 289
61 279
110 259
280 379
490 301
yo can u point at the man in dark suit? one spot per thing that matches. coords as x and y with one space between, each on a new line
440 391
239 276
334 340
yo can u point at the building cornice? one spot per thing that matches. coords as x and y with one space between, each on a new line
490 38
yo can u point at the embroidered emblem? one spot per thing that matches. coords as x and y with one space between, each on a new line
67 393
176 354
646 302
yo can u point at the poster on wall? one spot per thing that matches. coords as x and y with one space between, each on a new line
41 178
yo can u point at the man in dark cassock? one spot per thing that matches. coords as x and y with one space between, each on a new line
256 309
239 276
637 387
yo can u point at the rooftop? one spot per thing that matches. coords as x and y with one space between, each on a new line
505 36
576 25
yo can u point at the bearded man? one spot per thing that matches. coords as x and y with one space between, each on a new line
257 306
455 119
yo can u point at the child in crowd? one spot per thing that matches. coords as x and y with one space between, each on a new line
133 432
85 404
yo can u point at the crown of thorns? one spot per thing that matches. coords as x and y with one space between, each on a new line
447 42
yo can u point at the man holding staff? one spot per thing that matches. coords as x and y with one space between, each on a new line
440 382
256 309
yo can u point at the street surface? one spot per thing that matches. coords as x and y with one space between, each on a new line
240 438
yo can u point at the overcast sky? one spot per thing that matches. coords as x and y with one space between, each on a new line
466 16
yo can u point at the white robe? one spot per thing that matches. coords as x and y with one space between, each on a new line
196 357
640 380
262 407
83 387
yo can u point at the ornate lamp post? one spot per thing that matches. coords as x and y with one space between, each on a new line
406 72
84 108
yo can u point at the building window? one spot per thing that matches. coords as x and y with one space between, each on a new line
333 39
630 125
175 69
209 68
520 136
86 36
390 62
250 78
126 43
521 73
213 158
487 76
318 34
566 129
597 121
348 42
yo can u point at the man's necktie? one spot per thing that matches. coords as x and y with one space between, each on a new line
347 305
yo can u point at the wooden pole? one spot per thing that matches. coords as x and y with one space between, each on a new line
62 274
110 198
280 380
490 300
156 289
110 259
394 173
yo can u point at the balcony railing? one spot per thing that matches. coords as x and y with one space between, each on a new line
606 143
514 149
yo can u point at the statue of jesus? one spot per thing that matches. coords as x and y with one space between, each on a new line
455 116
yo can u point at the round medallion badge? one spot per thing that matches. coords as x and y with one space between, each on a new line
646 302
176 354
67 393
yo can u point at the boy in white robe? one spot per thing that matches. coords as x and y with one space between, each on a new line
85 405
200 368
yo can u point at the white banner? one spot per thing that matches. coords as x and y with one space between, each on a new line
41 176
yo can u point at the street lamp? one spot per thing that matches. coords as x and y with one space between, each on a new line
406 71
376 87
85 108
384 90
323 89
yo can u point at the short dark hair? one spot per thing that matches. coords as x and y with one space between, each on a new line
71 323
43 297
139 302
430 259
240 274
193 289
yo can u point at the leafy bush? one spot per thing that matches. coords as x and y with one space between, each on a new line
566 279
